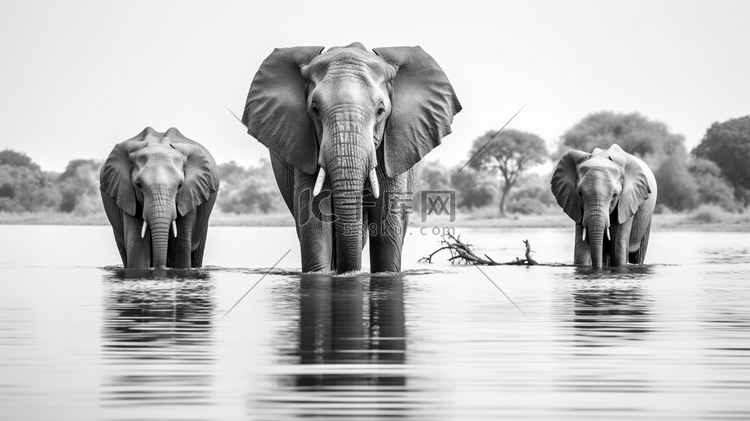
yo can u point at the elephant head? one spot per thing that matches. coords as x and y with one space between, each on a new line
333 113
156 178
597 189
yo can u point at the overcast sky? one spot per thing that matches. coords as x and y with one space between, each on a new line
77 77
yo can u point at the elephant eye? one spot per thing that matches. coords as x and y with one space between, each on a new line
139 185
180 186
315 109
381 110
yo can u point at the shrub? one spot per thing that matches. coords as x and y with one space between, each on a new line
528 206
709 214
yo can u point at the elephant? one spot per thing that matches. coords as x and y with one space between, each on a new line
610 194
156 183
360 120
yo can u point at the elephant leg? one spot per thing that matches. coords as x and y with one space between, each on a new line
388 220
115 217
640 232
620 234
314 223
639 255
183 244
200 231
196 257
137 249
582 253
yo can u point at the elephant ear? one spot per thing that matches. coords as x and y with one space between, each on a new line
565 181
201 177
276 108
635 188
114 177
423 106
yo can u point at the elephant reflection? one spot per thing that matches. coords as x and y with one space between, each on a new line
617 318
157 339
334 329
605 314
350 352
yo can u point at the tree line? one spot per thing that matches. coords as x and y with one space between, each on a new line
24 187
495 181
715 172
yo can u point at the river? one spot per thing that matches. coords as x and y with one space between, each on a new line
81 338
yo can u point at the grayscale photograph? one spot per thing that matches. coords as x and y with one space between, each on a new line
413 210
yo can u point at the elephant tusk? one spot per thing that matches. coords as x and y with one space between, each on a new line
583 237
143 230
319 182
374 183
609 239
174 228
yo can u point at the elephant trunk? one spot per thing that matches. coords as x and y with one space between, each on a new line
349 158
161 213
347 205
596 223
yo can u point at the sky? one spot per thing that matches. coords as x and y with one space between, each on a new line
77 77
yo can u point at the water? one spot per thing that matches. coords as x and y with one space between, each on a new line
83 339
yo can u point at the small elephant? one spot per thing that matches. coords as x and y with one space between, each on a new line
155 183
610 194
349 115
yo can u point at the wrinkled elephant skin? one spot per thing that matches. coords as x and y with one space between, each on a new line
158 190
611 196
347 130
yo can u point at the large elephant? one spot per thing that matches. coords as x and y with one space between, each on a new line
349 115
610 195
154 182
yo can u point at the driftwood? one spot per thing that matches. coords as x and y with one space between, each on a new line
463 253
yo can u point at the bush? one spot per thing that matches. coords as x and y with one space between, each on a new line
711 186
709 214
533 196
249 190
676 186
662 209
474 189
79 187
528 206
26 190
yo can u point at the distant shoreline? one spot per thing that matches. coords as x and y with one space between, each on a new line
664 222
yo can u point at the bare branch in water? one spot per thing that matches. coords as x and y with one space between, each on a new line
463 253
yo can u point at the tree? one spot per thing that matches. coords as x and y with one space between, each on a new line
728 145
711 186
70 170
511 153
17 159
651 140
676 186
663 151
533 196
249 190
79 187
435 176
26 190
473 189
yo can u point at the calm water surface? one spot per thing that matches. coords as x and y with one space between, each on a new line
83 339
